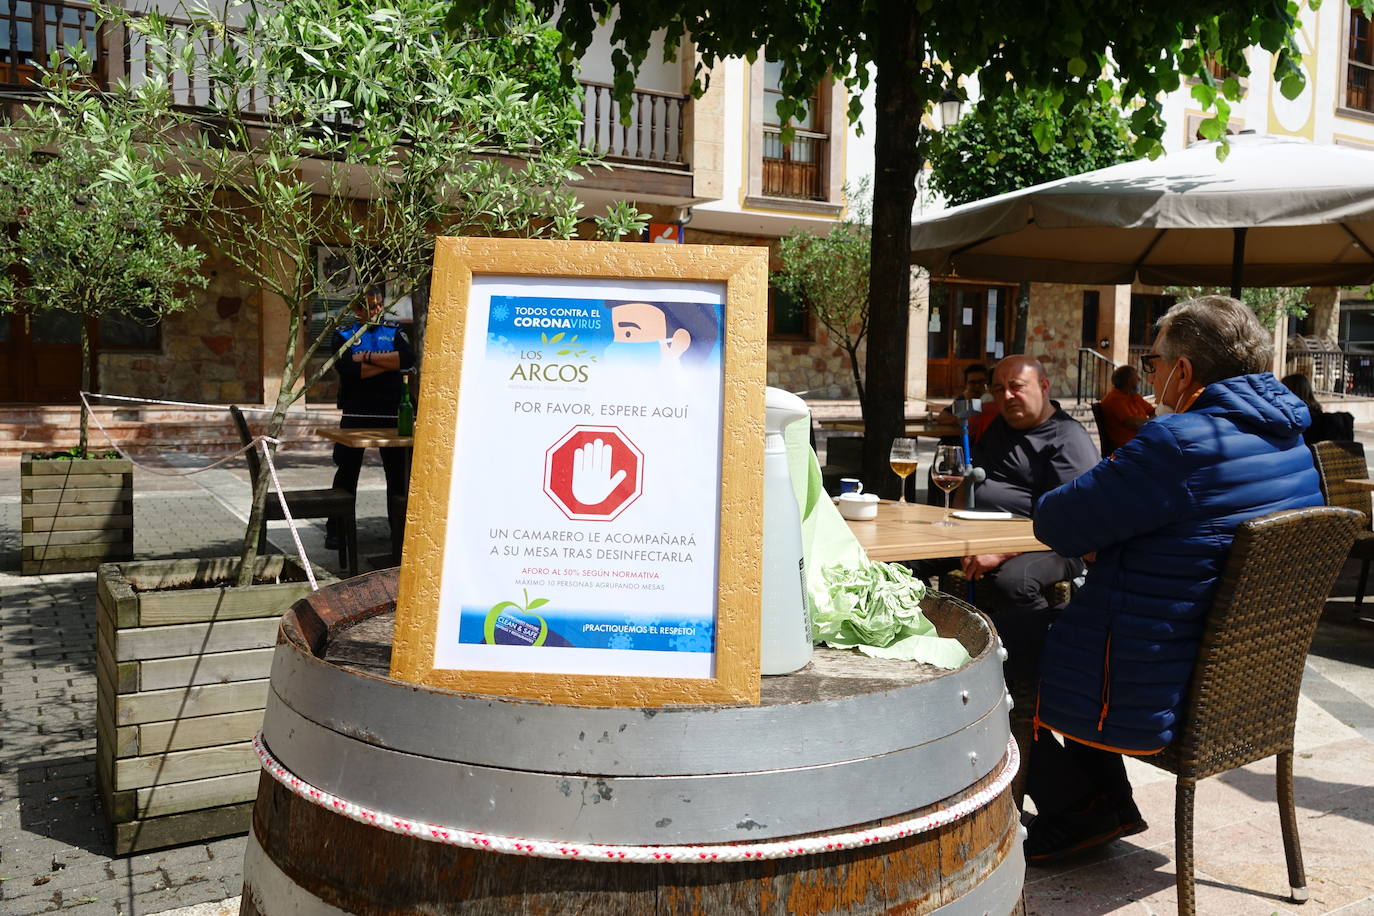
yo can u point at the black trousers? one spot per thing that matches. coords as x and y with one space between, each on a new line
1060 777
1063 777
348 463
1019 604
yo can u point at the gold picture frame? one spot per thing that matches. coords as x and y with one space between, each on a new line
743 274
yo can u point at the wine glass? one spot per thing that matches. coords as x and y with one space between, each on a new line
902 458
948 471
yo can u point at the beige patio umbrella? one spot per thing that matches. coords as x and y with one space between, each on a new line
1279 211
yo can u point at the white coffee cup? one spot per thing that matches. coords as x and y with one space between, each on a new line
858 506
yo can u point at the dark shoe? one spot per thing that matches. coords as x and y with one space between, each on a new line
1055 836
332 542
1131 821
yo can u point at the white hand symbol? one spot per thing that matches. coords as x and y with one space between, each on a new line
592 480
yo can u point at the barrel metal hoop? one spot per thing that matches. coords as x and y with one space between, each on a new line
649 855
521 735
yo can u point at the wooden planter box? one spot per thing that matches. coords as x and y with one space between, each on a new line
75 514
182 665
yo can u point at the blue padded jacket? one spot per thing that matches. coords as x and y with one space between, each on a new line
1161 514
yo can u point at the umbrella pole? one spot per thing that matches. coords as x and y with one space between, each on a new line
1237 261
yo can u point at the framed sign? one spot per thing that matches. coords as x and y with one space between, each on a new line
585 521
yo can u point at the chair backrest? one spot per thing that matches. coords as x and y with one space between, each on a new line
1338 463
1243 699
246 438
845 453
1100 420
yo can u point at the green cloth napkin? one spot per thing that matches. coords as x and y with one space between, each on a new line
857 603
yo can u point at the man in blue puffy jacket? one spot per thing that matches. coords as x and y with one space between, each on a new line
1159 516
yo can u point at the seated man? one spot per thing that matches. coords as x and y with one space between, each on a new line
1123 407
1030 448
974 403
1159 517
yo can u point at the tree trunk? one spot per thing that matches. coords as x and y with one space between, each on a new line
84 441
261 488
900 101
419 308
858 380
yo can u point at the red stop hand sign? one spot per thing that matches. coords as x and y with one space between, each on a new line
593 473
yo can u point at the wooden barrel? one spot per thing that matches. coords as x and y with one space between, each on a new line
849 743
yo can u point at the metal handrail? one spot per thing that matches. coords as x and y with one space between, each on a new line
1146 388
1101 369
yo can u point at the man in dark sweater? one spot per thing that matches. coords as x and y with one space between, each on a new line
1030 449
369 393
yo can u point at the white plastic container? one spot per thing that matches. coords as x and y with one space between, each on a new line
785 615
858 507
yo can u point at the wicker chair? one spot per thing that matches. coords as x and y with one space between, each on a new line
335 504
1338 463
1243 700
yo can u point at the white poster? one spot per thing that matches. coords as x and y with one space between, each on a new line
583 520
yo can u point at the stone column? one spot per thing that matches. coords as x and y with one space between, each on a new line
918 327
1114 323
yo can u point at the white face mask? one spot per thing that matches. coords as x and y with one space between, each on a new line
1162 409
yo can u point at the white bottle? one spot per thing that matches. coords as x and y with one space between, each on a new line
785 618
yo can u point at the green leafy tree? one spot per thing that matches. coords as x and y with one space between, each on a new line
371 130
87 237
998 148
1269 303
830 274
912 51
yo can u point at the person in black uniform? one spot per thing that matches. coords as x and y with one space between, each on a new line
369 394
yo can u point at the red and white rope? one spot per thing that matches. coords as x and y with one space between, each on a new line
648 855
263 441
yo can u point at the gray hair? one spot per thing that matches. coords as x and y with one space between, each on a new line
1220 336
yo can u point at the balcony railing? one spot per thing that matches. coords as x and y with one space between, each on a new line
1147 388
653 135
795 169
1357 86
33 28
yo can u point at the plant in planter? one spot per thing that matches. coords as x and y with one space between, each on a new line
91 237
379 129
382 130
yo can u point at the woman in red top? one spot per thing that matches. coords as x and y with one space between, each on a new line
1123 408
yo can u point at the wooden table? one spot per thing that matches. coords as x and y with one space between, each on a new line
928 428
909 532
1364 483
368 437
378 437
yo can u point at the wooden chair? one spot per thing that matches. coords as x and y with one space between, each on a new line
337 505
844 457
1243 700
1338 463
1100 421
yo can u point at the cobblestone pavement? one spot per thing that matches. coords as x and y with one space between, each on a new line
55 852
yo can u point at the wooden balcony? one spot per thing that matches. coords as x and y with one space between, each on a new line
1358 93
796 169
650 141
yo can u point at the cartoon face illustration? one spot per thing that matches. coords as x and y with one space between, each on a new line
646 324
661 333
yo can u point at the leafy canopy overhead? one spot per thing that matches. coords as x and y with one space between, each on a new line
1075 51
